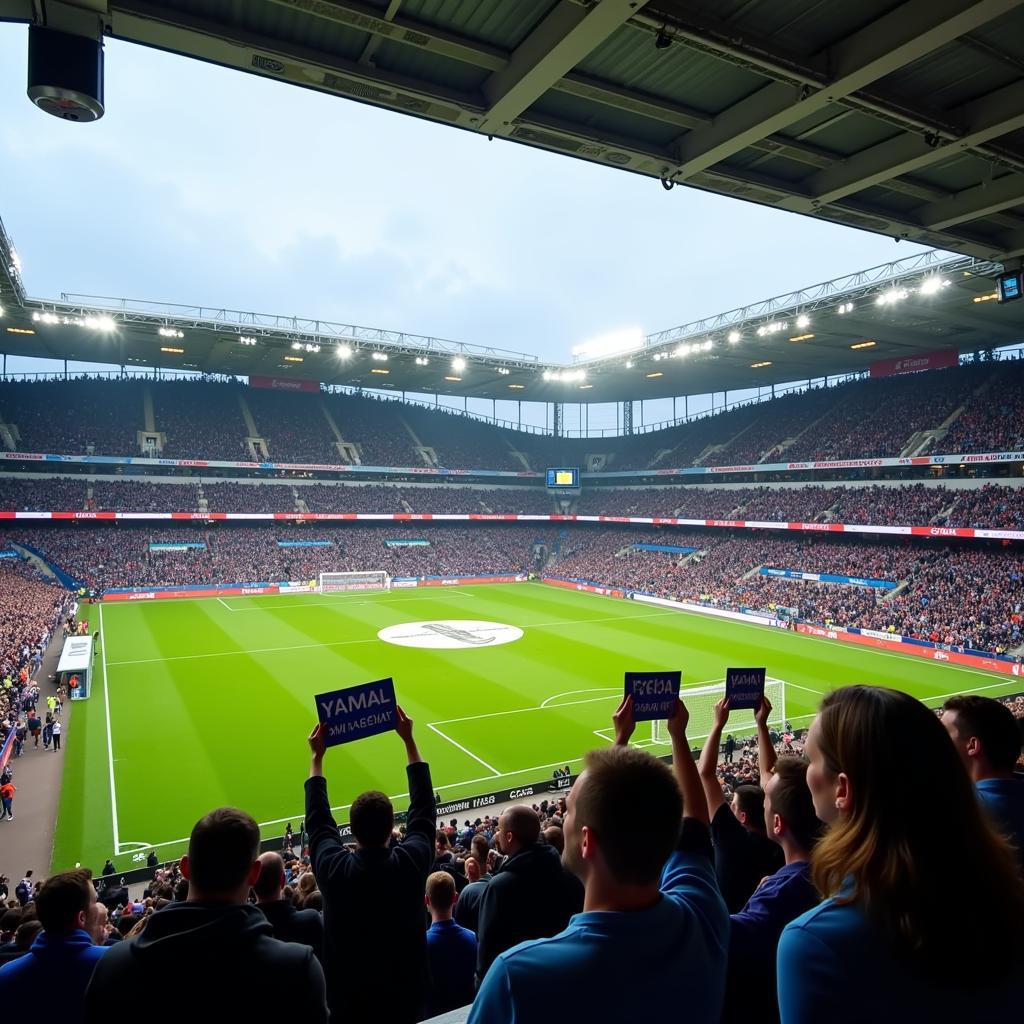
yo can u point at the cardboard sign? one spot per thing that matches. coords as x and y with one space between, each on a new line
654 693
744 688
357 711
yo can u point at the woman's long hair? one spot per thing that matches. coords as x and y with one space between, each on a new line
916 852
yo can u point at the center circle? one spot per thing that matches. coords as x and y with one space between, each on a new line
448 634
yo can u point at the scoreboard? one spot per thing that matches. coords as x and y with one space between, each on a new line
564 478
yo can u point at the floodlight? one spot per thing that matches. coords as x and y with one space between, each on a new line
458 364
734 336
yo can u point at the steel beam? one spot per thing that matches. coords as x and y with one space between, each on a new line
567 35
906 34
983 200
998 114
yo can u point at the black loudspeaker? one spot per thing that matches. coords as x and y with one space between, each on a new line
65 74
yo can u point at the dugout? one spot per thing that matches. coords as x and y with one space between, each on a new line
74 669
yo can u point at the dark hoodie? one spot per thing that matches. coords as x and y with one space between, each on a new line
206 961
531 896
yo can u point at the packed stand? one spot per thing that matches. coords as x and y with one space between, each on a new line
141 496
254 497
293 425
200 419
75 417
49 495
992 420
783 419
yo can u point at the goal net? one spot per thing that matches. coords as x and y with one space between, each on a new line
343 582
700 702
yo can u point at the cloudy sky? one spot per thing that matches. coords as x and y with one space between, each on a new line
208 186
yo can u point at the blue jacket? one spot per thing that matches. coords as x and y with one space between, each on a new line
53 974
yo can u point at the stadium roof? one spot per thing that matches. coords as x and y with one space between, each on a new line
905 119
918 305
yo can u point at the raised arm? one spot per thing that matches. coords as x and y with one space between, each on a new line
766 756
421 826
685 771
708 764
324 842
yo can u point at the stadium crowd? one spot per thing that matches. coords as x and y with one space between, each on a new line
203 419
779 876
992 506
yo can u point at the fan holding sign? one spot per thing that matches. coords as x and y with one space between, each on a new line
373 894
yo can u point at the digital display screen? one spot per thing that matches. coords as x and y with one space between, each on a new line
564 477
1010 286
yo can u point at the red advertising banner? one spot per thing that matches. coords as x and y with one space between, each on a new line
929 653
912 364
284 384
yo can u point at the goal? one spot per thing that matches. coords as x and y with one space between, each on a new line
343 582
700 702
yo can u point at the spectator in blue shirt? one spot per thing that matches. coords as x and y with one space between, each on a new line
754 933
451 949
52 977
988 739
652 913
925 903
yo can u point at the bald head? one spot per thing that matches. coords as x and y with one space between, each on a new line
270 882
518 827
555 837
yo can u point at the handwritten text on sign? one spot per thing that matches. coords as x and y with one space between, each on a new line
654 693
357 712
744 687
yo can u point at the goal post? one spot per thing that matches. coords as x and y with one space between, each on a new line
700 702
346 582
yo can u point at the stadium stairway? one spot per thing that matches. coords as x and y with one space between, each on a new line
713 449
771 454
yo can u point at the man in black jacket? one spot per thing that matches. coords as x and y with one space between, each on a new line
375 944
214 956
531 896
289 924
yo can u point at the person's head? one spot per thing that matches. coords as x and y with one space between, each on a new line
622 819
441 895
907 838
27 934
313 901
441 843
479 849
9 921
221 862
555 837
518 827
270 881
66 902
372 818
788 808
748 806
473 870
985 734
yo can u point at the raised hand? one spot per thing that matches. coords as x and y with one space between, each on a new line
624 722
403 724
763 711
722 712
678 721
318 741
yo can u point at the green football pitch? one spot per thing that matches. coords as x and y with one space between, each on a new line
201 703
